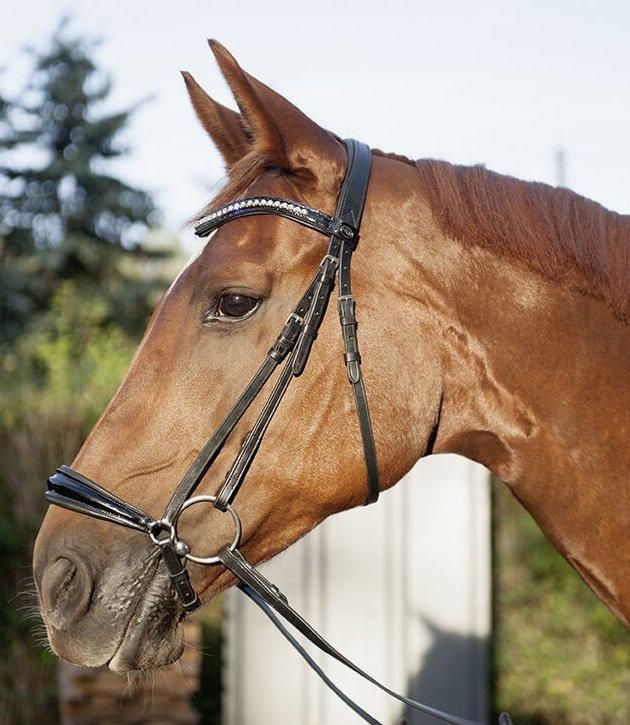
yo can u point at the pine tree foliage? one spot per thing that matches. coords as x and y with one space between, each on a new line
63 215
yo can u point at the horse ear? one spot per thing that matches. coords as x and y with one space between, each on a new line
224 126
287 138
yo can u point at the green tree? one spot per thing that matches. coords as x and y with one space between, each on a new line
62 215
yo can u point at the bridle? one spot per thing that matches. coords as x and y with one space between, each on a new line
291 350
71 490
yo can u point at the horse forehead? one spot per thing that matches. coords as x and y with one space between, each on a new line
266 244
250 239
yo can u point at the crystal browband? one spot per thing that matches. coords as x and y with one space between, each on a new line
305 215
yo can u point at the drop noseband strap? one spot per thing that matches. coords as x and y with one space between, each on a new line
291 349
71 490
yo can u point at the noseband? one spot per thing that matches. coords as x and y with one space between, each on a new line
71 490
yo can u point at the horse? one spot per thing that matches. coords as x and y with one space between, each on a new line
494 319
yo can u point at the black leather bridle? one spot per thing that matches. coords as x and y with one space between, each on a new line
71 490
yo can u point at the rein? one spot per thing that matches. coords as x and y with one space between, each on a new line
71 490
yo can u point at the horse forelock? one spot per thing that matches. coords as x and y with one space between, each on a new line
241 176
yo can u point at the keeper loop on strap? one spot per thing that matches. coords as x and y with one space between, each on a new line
286 339
351 356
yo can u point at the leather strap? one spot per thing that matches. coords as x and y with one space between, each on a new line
72 490
342 229
351 204
294 367
354 188
237 472
255 597
284 344
266 595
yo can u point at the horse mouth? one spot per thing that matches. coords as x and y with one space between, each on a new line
152 637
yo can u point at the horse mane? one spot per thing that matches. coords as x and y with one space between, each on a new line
554 231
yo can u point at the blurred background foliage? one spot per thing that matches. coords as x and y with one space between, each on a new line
56 378
560 656
62 215
82 263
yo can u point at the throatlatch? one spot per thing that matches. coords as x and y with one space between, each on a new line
69 489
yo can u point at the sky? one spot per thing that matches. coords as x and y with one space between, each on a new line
505 84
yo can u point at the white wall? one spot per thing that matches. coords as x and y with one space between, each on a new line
402 588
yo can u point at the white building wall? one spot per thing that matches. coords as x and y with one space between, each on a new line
401 587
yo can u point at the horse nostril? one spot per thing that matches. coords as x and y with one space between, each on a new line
66 590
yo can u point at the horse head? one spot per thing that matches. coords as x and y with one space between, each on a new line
105 596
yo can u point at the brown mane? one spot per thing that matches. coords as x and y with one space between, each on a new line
554 231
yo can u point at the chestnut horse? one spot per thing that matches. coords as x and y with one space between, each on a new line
494 320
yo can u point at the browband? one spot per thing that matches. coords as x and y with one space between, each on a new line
253 205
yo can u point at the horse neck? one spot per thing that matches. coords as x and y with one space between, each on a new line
535 387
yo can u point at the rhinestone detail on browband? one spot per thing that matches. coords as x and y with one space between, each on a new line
249 203
301 213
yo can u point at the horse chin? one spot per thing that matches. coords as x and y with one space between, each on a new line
153 637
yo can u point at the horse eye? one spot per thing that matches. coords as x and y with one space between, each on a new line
236 306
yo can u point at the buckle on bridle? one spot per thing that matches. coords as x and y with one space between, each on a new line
329 259
328 265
